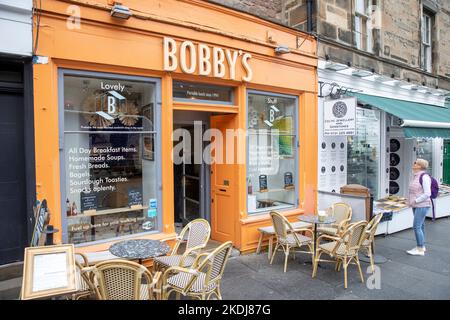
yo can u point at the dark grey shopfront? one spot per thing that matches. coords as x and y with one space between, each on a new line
17 179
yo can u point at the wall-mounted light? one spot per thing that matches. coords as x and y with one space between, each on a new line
120 11
282 50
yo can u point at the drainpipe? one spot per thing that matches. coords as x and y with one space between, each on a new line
309 12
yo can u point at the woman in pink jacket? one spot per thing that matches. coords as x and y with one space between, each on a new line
420 202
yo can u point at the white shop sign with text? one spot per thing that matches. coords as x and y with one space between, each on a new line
206 60
339 117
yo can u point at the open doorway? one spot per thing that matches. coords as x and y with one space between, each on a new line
191 172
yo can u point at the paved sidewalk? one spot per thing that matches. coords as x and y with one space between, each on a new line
402 276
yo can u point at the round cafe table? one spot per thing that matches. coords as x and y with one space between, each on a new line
139 249
314 219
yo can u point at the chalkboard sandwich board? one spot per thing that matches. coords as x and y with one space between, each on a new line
134 198
263 183
88 202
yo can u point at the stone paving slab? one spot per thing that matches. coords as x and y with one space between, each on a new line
402 276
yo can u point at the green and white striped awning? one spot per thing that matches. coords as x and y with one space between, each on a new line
419 120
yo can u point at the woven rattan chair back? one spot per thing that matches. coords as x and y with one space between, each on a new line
214 264
354 236
208 268
120 279
341 211
219 259
280 226
373 225
199 231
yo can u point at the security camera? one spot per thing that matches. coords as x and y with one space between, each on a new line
282 49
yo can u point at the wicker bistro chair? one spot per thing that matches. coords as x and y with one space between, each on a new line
289 238
197 232
342 212
83 283
202 279
122 280
343 248
369 242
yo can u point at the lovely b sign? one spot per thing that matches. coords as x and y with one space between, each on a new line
207 61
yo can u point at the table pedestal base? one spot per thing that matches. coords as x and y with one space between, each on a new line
377 259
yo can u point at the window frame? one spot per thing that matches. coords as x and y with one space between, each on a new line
363 38
62 72
379 166
296 151
426 42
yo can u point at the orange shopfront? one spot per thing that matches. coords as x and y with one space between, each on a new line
120 102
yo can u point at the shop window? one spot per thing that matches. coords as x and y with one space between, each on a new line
363 151
272 153
110 159
424 150
202 93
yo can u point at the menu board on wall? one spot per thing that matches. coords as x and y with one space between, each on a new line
134 197
88 201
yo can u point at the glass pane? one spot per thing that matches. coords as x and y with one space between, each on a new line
425 151
363 151
272 153
192 188
361 6
109 157
202 92
358 32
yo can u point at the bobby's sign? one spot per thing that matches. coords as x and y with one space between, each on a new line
205 60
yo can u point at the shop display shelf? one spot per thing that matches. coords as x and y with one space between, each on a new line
401 220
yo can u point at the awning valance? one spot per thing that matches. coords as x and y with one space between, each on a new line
419 120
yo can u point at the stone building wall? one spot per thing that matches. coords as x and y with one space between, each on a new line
396 34
396 37
267 9
442 39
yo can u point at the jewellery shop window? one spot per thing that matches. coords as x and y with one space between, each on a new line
363 151
272 153
109 157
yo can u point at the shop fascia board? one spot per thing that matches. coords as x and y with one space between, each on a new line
378 88
141 21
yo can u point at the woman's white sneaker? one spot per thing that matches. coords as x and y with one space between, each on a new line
416 252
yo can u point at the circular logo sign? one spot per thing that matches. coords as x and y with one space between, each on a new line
339 109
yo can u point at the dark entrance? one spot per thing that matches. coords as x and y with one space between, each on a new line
16 175
191 177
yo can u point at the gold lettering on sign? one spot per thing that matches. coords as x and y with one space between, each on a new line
218 60
200 58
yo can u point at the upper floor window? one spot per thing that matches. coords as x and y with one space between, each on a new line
426 62
363 25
